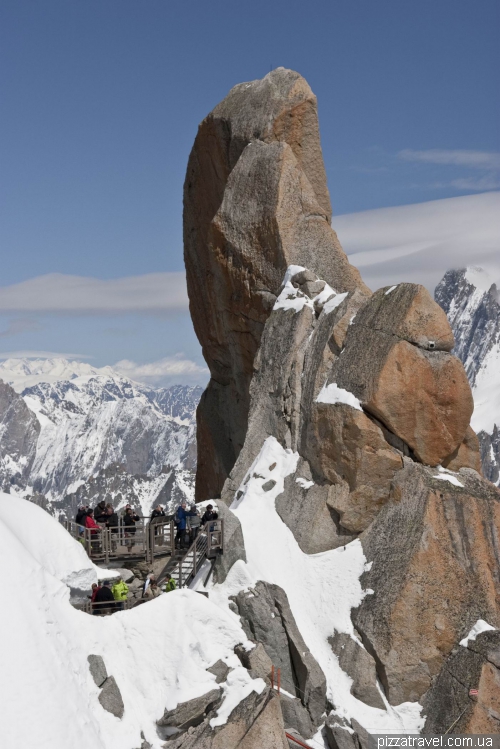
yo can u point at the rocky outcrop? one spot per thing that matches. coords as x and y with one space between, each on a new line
267 618
256 723
449 702
19 430
255 202
191 713
435 571
364 395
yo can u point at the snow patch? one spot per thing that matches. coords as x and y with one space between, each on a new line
391 289
479 626
304 483
445 475
333 394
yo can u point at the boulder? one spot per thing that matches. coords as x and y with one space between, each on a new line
255 723
467 454
220 670
266 617
97 669
111 698
192 712
409 312
448 703
256 661
255 202
360 666
435 565
396 362
338 734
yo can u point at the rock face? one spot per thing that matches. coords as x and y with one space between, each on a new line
435 572
476 666
255 202
396 362
19 430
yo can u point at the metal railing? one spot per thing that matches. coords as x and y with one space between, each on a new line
103 608
208 543
144 539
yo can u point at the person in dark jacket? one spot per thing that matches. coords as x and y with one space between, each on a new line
81 515
209 514
103 596
100 512
112 522
129 521
158 512
181 516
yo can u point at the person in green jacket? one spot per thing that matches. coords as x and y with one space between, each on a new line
120 591
169 584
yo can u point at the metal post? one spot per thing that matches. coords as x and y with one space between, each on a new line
106 544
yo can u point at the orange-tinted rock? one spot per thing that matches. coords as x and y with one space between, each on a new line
255 201
347 448
425 399
467 455
409 312
435 572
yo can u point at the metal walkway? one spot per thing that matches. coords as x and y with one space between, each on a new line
183 566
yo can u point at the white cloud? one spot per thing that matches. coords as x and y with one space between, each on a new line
488 182
171 368
57 293
31 354
420 242
473 159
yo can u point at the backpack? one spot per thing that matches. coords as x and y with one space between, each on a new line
177 517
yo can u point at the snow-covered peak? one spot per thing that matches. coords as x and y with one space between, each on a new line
479 278
25 373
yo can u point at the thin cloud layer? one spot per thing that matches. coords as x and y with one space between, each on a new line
487 163
420 242
57 293
473 159
171 368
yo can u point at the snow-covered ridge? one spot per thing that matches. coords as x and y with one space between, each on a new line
47 642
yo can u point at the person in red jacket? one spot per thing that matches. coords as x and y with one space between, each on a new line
91 523
94 529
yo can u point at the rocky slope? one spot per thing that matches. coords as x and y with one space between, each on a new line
342 422
472 302
61 437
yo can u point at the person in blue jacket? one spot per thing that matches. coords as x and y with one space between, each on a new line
180 519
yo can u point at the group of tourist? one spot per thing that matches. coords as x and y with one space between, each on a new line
106 598
187 520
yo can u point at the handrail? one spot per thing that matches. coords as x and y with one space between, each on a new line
151 539
297 741
208 542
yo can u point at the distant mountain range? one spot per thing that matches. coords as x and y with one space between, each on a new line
472 302
69 431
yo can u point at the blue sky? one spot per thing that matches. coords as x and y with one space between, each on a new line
101 102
